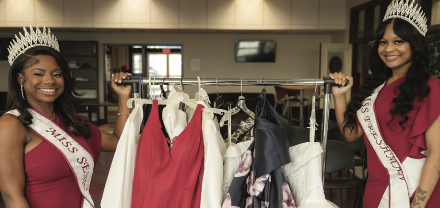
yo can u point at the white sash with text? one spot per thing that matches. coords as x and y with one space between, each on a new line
404 177
79 160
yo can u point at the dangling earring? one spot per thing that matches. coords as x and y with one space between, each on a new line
22 94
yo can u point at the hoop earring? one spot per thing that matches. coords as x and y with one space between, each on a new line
22 94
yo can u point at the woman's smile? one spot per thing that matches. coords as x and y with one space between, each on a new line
48 91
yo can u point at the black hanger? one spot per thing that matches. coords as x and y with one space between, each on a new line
182 106
164 94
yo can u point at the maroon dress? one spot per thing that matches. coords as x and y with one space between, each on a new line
169 176
405 143
50 182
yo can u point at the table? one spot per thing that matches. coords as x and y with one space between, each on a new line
91 105
301 99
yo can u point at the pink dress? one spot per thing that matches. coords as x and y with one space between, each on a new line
407 143
169 176
50 182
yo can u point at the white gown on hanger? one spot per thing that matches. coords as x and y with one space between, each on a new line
232 159
304 172
174 119
119 185
214 148
304 176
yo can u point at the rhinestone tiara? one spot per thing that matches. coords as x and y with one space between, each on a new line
412 14
31 39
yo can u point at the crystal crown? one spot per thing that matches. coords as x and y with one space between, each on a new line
412 14
31 39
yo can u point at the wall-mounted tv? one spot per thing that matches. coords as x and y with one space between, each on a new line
255 50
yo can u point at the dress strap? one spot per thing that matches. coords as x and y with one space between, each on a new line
155 111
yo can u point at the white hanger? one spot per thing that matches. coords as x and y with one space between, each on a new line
154 84
241 105
201 95
229 126
149 88
207 108
178 97
197 96
313 124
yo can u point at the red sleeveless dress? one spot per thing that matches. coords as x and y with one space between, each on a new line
50 182
407 143
169 176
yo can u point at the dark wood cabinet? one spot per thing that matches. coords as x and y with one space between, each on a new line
82 57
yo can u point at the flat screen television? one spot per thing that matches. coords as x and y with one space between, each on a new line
255 50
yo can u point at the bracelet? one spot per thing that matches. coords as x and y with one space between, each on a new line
123 114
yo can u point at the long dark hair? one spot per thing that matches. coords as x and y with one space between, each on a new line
415 82
65 105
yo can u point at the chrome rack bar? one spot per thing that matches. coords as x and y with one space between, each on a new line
324 127
230 81
327 82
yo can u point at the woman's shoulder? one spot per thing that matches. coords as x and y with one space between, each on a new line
434 85
9 119
433 97
11 125
433 81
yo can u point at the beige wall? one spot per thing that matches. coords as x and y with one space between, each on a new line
343 36
187 14
297 54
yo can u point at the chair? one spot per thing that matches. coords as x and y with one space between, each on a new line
341 156
357 146
298 135
331 125
288 98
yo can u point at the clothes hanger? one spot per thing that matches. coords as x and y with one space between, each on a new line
198 94
182 105
218 102
153 92
229 126
204 98
163 93
140 87
313 125
201 95
149 88
241 105
177 97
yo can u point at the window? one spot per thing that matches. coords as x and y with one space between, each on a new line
162 65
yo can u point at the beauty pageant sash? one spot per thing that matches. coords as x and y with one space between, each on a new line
404 177
80 161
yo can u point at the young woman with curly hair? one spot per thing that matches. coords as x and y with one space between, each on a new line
47 150
397 112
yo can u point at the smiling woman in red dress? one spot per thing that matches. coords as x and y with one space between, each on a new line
396 110
47 151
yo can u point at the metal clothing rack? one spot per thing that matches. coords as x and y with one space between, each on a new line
327 82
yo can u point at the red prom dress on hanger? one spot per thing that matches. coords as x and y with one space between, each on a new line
169 176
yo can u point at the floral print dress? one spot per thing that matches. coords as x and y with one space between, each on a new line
259 180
